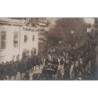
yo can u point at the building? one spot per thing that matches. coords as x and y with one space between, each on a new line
96 25
17 38
93 28
45 24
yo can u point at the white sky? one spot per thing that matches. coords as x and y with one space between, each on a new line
89 20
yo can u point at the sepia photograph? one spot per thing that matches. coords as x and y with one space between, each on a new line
48 48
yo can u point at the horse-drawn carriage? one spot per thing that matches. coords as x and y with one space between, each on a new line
49 72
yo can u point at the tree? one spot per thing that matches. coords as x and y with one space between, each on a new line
63 28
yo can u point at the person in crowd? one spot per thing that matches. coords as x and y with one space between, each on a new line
26 76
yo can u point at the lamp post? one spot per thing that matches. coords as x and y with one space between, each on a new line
72 32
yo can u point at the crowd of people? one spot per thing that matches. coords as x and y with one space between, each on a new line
61 66
10 69
75 64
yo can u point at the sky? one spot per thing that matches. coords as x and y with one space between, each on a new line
89 20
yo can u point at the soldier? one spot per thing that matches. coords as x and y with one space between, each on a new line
7 69
29 63
24 67
20 68
26 76
11 70
2 73
14 70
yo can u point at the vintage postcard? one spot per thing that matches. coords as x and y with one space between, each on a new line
48 48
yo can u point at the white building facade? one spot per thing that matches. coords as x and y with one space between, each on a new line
16 38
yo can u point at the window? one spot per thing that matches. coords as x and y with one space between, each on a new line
25 38
15 39
3 40
33 38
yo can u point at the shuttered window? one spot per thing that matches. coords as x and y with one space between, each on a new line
3 39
